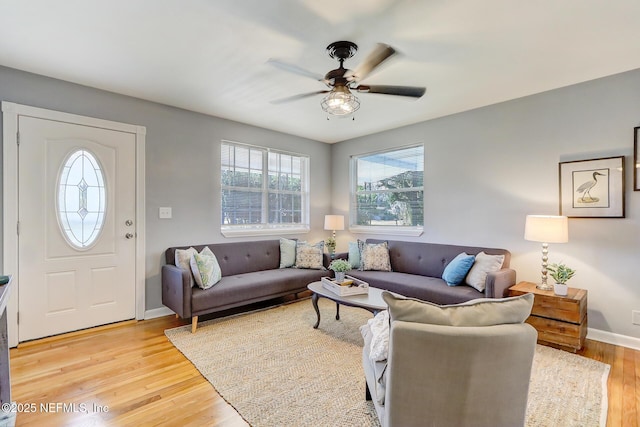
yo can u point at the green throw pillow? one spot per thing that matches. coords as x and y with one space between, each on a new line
287 253
205 268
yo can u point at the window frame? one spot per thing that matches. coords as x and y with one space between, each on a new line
264 228
396 230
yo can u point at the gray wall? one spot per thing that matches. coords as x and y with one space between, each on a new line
182 161
486 169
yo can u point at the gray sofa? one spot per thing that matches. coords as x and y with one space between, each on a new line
417 270
250 273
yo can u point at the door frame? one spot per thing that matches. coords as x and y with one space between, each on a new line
10 114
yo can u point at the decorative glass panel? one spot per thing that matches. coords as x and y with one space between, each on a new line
81 199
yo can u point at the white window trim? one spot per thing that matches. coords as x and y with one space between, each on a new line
390 230
257 230
387 230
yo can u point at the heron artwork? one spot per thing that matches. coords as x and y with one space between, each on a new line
586 187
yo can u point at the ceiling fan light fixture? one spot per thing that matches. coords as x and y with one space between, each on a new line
340 102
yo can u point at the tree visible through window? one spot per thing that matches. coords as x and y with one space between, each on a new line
262 188
389 188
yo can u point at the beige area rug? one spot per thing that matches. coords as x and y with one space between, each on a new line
276 370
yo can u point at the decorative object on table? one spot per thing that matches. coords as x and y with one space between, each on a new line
561 273
546 229
636 159
592 188
333 223
356 287
339 267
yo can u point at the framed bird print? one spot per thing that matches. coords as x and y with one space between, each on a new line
592 188
636 159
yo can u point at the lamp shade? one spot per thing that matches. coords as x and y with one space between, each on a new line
546 229
334 222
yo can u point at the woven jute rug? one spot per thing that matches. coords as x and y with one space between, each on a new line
276 370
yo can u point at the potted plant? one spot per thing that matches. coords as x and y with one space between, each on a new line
339 267
330 244
561 273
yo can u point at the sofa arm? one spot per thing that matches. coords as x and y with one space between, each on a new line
326 258
176 290
498 282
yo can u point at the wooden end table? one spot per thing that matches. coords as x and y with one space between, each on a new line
560 320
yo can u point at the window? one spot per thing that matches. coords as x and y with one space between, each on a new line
388 191
81 199
263 191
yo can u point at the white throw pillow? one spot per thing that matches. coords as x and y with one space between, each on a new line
205 268
183 258
484 264
379 327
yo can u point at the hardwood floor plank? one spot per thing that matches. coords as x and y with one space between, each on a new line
138 378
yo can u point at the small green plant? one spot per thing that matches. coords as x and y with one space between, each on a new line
330 243
340 265
561 273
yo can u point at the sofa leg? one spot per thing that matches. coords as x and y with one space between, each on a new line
194 324
177 316
367 395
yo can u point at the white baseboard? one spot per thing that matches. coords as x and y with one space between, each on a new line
157 312
611 338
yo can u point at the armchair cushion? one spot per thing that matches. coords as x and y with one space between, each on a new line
478 312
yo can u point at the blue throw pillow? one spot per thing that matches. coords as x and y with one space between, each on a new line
354 255
455 272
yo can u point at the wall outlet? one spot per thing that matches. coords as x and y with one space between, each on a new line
164 213
635 317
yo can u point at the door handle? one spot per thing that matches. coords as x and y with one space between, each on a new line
129 236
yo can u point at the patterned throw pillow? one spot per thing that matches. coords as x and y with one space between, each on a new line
375 256
205 268
309 256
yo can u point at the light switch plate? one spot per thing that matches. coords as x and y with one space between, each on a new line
164 213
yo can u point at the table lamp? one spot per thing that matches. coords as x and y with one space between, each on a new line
333 222
546 229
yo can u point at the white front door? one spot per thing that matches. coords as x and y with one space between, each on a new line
77 230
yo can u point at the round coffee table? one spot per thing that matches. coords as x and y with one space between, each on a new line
372 301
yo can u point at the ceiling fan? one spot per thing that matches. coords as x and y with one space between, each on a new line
341 82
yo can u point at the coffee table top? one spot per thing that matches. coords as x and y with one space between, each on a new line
371 301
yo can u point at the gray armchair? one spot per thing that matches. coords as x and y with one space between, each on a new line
440 375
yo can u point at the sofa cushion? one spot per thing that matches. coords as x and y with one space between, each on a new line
205 269
455 272
309 256
483 265
374 256
431 289
242 289
287 253
479 312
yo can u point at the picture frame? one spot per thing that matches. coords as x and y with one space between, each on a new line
592 188
636 159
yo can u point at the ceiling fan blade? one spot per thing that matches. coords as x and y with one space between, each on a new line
410 91
297 97
291 68
381 53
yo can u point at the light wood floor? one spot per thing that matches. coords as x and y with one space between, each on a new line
133 370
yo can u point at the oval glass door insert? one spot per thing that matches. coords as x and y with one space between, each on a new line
81 199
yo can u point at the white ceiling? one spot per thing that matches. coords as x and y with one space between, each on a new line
210 56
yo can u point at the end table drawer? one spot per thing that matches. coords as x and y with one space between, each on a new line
557 332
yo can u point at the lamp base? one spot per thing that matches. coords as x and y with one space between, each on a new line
544 287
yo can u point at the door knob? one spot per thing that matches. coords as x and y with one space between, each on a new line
129 236
128 223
